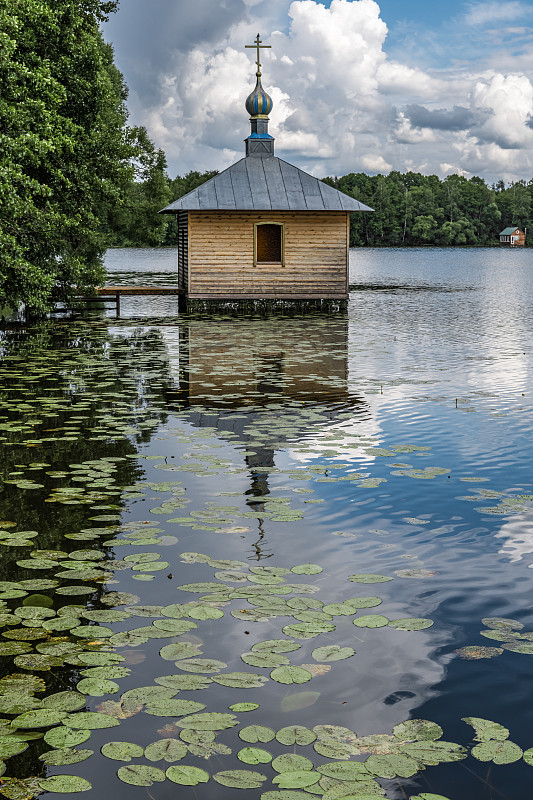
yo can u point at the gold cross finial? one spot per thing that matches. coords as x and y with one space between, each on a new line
258 45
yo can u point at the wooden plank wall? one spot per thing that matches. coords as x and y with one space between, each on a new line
221 256
183 235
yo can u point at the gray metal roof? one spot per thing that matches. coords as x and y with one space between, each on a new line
265 183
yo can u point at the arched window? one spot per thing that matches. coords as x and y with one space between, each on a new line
268 243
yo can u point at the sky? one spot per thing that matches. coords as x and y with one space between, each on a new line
358 85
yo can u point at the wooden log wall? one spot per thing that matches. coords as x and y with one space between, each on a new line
221 256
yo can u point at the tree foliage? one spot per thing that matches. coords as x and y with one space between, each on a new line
65 149
414 209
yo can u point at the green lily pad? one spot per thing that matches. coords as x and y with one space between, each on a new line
209 721
179 650
165 749
308 630
264 658
371 621
65 784
256 733
187 776
240 680
91 720
100 658
204 612
121 751
42 718
184 682
169 707
307 569
296 779
65 701
201 665
392 766
276 646
295 734
240 707
290 762
240 778
10 747
411 624
140 775
290 674
369 578
332 652
64 737
97 687
65 756
486 729
254 755
497 751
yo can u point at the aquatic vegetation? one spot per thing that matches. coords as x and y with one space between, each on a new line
227 654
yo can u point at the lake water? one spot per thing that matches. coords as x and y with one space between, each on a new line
327 518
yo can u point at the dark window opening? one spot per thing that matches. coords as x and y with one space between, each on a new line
269 243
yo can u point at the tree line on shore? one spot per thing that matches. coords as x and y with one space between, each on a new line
410 209
75 178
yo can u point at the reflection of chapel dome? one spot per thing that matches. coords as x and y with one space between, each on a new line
259 103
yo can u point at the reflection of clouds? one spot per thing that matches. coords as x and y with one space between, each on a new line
350 439
391 675
517 534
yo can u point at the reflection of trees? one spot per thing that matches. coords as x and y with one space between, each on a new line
100 390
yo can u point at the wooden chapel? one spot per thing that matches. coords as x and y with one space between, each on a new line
263 229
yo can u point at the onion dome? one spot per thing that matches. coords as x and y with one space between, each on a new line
258 103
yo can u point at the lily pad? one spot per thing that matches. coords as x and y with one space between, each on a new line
65 756
241 707
187 776
499 752
64 737
65 784
254 755
332 652
209 721
296 779
369 578
307 569
371 621
42 718
295 734
290 674
121 751
91 720
166 750
97 687
240 680
256 733
240 778
411 624
141 775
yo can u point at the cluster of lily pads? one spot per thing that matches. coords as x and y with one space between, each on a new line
75 635
102 401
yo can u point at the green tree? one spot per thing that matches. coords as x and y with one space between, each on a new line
424 228
65 150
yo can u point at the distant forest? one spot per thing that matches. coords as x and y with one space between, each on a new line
410 209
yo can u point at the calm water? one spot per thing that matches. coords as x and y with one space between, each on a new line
390 445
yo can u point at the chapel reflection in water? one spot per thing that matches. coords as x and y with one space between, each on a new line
269 384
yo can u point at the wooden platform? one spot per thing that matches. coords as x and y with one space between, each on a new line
114 293
137 290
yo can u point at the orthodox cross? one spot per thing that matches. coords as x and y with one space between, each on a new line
258 45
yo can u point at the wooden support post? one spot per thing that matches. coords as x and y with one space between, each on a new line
118 304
